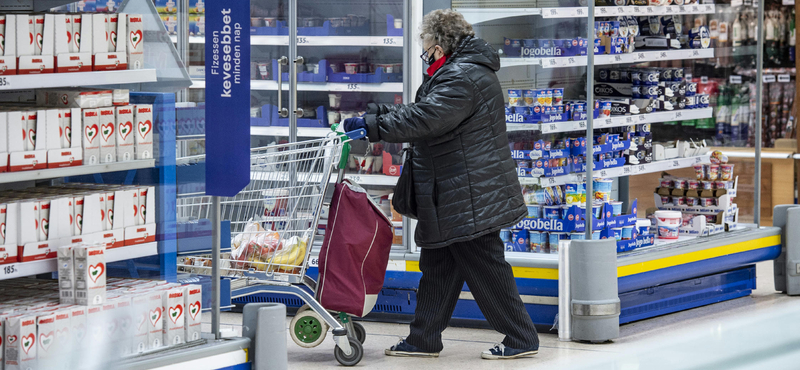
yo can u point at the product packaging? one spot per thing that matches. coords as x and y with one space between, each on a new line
91 133
73 44
20 347
25 151
108 137
46 339
155 318
8 60
192 303
108 55
90 275
69 152
66 275
144 131
32 41
139 322
135 47
175 321
125 133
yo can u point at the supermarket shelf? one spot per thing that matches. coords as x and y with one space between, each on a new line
284 131
52 173
618 171
635 57
618 121
730 51
388 41
20 269
25 82
478 15
613 11
269 85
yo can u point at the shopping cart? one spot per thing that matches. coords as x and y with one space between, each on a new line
273 225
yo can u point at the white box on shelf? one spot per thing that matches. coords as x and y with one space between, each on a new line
90 275
8 62
112 32
25 152
145 228
125 133
155 318
95 320
21 349
144 131
125 331
108 137
24 36
63 333
66 275
69 56
175 322
46 337
99 33
91 133
135 40
106 57
38 58
10 249
78 325
139 322
193 306
70 153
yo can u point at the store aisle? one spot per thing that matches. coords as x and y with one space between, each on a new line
464 345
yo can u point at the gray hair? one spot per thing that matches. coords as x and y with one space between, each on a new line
446 28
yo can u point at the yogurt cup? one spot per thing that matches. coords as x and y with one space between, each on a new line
666 199
726 172
535 211
552 212
668 223
385 68
351 68
617 233
616 208
643 226
627 232
700 171
577 236
538 240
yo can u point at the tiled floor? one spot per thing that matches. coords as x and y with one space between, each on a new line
463 345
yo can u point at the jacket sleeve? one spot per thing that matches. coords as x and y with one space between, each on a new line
379 109
448 103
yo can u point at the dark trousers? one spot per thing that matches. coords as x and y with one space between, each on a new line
482 265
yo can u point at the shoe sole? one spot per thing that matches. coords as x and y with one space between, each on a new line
519 355
410 354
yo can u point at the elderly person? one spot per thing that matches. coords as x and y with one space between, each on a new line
466 188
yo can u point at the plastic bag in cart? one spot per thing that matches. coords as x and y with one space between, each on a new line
355 252
254 244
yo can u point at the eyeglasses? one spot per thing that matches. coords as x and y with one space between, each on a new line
425 57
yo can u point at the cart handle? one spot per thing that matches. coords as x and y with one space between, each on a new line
346 138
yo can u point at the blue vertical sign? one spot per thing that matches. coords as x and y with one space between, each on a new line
227 97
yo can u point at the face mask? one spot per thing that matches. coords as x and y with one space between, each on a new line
428 59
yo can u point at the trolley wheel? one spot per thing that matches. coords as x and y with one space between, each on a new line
302 308
357 352
360 332
308 329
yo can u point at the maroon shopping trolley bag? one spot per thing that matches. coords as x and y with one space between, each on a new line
355 252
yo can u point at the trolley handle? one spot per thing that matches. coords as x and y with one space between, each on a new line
346 138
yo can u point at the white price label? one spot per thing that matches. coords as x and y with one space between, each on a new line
650 10
571 61
552 12
670 9
636 10
640 56
735 79
302 40
663 55
355 178
620 10
552 62
703 79
608 122
642 118
676 164
603 10
549 181
781 78
4 82
551 127
353 87
618 58
678 115
768 78
710 8
698 160
10 270
627 170
695 53
641 168
682 9
390 41
603 173
695 9
313 262
582 125
629 120
580 12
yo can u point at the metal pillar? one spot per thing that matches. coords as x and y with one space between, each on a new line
589 119
564 296
215 260
595 304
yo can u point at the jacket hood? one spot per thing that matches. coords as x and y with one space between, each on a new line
477 51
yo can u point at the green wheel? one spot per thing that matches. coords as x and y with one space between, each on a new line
308 329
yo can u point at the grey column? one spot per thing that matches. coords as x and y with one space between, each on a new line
595 297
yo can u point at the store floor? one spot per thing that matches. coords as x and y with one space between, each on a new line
464 345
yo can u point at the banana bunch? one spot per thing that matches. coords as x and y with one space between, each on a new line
291 256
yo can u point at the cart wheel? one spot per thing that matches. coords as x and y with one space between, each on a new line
308 329
355 356
302 308
360 332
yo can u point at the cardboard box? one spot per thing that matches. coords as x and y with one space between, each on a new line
155 318
135 47
124 317
66 275
144 131
175 322
25 151
77 323
91 133
193 304
69 56
90 275
63 337
38 57
8 61
20 345
70 152
125 133
95 325
139 322
9 251
46 338
108 142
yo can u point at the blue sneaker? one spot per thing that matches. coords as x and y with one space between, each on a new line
501 352
403 349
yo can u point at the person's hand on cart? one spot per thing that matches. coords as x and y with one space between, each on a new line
354 123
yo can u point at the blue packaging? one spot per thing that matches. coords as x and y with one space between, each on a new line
596 235
702 100
577 236
613 29
553 241
558 96
618 45
512 47
538 241
540 97
509 110
505 235
535 211
515 98
636 91
603 74
617 233
519 241
552 212
651 77
691 88
530 43
529 97
616 208
627 232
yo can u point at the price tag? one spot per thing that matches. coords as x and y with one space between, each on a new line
603 173
698 160
551 13
580 12
571 61
551 127
603 10
642 118
627 170
640 56
550 181
781 78
641 168
355 178
9 270
353 87
695 9
676 164
551 62
650 10
678 115
608 122
736 79
4 82
629 120
582 125
670 9
710 8
695 53
620 10
302 40
663 55
636 10
390 41
703 79
313 262
682 9
768 78
618 58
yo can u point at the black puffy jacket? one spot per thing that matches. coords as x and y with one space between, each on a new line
465 179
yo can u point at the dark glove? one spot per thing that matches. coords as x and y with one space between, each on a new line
355 123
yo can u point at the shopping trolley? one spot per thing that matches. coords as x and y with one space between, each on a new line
273 225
